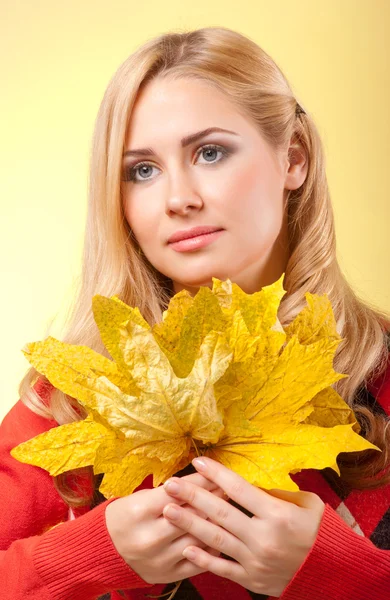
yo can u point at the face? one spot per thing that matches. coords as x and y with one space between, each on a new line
229 180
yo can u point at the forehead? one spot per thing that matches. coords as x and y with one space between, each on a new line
178 107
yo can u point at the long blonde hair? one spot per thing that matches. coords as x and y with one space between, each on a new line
113 263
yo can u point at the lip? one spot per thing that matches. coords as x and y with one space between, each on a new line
184 234
199 241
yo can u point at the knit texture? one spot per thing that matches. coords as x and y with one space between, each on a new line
45 556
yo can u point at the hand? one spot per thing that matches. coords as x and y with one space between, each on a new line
268 547
151 545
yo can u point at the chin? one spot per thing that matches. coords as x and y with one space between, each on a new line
193 285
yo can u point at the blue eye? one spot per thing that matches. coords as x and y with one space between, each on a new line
142 167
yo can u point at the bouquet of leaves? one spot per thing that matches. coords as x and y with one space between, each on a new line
218 376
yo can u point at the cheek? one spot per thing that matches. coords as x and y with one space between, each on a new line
140 218
254 198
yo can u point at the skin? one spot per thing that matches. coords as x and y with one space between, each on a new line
268 548
244 193
149 543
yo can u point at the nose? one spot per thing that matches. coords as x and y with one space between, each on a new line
182 198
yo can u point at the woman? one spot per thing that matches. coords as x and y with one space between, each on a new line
160 167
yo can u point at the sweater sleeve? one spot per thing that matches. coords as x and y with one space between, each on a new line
341 564
75 560
43 556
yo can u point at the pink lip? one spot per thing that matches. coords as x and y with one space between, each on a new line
199 241
183 234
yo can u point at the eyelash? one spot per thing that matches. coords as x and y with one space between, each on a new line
129 172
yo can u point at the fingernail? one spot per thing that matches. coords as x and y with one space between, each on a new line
189 553
172 512
172 487
199 464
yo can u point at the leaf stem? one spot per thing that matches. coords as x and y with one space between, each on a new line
196 447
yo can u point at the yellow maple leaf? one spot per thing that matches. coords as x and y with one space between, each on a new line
200 316
150 432
315 321
218 376
187 320
266 455
258 310
289 418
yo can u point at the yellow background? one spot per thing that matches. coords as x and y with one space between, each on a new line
57 59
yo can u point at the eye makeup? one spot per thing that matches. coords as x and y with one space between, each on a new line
129 172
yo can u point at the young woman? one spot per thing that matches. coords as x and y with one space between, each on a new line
201 130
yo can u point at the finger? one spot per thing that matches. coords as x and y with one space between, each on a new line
195 511
205 483
219 493
200 480
175 550
207 532
217 509
185 568
161 498
254 499
169 532
215 564
210 550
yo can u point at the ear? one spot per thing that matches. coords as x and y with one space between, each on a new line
297 165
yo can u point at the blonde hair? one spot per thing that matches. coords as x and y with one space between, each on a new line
114 264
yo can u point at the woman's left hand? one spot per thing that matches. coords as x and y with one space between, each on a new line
268 548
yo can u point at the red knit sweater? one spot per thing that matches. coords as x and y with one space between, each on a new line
46 556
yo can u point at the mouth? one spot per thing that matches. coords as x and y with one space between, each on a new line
193 232
197 241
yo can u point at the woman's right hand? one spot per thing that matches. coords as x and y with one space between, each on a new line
149 543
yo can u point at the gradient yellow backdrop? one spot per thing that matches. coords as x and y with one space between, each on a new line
57 59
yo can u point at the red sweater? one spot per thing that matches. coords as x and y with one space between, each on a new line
46 556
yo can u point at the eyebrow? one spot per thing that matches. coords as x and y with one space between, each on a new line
186 141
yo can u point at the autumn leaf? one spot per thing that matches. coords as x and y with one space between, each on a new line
187 320
63 448
153 430
266 456
168 332
218 376
289 418
258 310
315 321
203 315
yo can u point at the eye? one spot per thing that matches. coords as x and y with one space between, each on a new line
145 167
211 148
